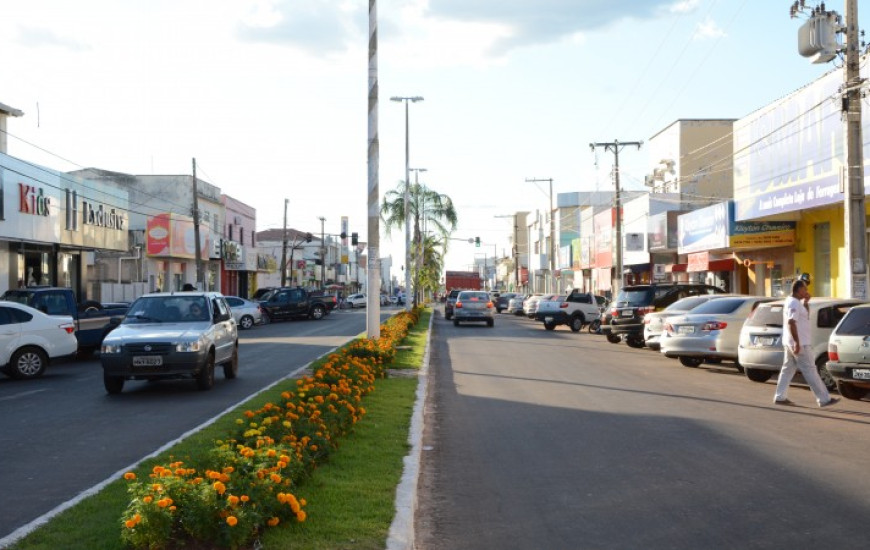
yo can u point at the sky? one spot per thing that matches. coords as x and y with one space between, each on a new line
271 97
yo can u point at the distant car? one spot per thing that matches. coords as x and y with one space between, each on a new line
654 323
530 306
760 351
245 312
394 300
449 303
577 309
356 300
848 353
385 300
515 304
473 306
30 339
503 300
172 335
710 331
263 293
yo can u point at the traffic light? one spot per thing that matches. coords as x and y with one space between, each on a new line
308 237
477 242
354 239
343 235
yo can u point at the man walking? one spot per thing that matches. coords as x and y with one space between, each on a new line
798 351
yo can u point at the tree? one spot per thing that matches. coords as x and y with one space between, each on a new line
423 203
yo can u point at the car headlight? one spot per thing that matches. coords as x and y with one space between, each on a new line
196 345
106 349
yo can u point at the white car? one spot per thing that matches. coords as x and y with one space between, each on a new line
245 312
356 300
30 339
654 322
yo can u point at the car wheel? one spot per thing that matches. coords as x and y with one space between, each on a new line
826 377
231 369
490 323
448 316
851 392
576 324
614 338
455 322
758 375
691 361
246 322
266 318
113 384
205 378
635 342
549 325
27 363
317 313
594 326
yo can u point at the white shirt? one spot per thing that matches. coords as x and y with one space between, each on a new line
794 309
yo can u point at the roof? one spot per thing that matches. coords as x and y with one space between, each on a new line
10 111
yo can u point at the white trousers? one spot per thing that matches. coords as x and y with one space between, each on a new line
803 361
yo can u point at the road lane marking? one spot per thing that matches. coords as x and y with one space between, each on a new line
18 395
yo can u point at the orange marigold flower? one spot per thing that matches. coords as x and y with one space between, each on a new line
219 487
273 522
233 500
232 521
229 470
129 476
301 515
129 524
245 498
303 502
275 478
148 499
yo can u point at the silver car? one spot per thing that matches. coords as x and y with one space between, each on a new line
245 312
654 322
473 305
515 304
760 349
849 353
710 331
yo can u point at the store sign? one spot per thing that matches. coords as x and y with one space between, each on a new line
704 229
698 261
762 234
101 217
33 200
233 255
173 235
659 272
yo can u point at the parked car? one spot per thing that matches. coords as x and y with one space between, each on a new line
450 303
710 331
576 310
849 353
503 300
635 301
172 335
473 306
515 304
296 303
530 306
263 293
760 350
247 313
356 300
654 323
385 300
30 340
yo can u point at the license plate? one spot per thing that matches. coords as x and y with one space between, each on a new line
548 319
686 330
765 340
147 361
861 374
626 313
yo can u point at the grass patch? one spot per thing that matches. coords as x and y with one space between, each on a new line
351 497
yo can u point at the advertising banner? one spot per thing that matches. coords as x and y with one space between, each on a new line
704 229
172 235
344 251
602 228
699 261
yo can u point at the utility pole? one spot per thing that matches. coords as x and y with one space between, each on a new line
616 147
552 252
197 250
284 249
373 274
817 40
322 254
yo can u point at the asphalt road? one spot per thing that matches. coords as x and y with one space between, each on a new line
62 434
537 439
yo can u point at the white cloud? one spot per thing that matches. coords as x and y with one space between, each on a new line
41 37
708 29
684 6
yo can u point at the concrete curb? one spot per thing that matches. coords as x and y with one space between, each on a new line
401 536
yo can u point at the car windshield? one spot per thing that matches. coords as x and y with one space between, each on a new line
168 309
687 304
856 323
721 305
766 316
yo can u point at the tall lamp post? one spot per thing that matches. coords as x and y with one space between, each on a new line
418 265
552 253
322 254
406 100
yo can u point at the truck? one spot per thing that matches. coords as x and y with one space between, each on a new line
93 320
296 303
462 280
577 309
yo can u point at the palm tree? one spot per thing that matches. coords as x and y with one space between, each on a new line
423 203
432 262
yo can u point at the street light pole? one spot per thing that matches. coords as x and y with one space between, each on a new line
418 265
322 254
552 252
405 100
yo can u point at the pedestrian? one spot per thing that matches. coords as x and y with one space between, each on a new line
797 348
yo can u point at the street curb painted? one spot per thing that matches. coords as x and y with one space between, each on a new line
401 536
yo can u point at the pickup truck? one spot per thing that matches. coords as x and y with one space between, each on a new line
93 321
576 310
296 303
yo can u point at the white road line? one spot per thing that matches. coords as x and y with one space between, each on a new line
18 395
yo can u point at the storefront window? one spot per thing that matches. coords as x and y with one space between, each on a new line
822 259
778 285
